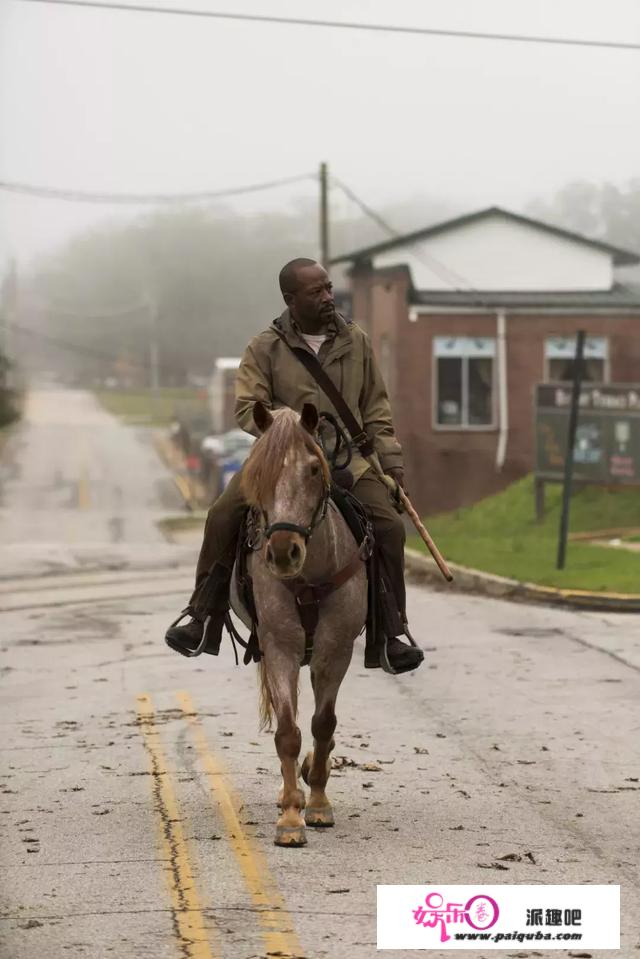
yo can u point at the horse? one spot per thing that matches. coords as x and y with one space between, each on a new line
304 540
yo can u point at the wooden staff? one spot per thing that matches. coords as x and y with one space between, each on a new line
417 522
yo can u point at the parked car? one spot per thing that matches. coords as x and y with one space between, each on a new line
237 446
224 455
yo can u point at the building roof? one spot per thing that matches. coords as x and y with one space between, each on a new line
620 257
618 297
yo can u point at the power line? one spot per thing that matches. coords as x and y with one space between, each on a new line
450 277
68 346
81 196
347 25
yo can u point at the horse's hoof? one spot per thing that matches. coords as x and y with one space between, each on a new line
290 836
320 816
305 769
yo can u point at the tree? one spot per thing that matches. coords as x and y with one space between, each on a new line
602 211
210 274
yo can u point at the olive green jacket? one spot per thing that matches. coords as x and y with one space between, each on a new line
270 372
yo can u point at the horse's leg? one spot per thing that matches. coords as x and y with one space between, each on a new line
282 677
325 680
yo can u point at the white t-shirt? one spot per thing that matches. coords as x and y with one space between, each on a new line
314 341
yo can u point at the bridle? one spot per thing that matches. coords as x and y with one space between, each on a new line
321 509
305 531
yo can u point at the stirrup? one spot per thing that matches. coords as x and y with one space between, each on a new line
184 650
384 659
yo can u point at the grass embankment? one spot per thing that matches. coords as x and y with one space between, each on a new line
500 535
144 406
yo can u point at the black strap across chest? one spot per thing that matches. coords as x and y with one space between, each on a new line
313 366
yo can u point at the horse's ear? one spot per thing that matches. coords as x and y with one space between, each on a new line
261 416
309 418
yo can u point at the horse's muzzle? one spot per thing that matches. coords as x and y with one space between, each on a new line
285 554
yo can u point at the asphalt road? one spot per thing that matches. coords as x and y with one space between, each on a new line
137 797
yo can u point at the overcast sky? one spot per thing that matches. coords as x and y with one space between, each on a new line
104 100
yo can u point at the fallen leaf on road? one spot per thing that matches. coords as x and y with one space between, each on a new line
340 762
371 767
421 751
492 865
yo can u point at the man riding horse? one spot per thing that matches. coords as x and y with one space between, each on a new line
270 373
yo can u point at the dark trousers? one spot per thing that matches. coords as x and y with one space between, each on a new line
225 518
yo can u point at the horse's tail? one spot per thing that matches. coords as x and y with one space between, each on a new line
265 706
265 703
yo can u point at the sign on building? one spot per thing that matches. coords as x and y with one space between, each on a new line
607 447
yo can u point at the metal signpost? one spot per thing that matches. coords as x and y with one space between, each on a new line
569 453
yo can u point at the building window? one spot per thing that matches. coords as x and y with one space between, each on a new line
559 356
464 381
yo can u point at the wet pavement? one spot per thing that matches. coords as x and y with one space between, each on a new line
137 797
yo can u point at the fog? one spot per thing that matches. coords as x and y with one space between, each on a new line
113 101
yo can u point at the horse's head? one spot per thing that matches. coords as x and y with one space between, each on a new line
287 478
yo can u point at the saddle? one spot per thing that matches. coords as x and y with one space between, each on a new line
383 618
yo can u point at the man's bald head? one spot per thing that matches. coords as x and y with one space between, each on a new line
308 293
288 278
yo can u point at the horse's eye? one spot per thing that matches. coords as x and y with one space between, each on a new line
315 469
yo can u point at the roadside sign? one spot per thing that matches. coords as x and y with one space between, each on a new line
607 446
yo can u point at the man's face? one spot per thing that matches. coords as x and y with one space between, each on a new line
313 298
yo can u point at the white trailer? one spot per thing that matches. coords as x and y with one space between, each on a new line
222 393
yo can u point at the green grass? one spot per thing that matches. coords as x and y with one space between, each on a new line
142 406
500 535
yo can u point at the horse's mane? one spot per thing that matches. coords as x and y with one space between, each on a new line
285 437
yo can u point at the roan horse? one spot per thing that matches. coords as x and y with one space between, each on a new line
286 478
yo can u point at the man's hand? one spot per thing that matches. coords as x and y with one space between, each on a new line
397 474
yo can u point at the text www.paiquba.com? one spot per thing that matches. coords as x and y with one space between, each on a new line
519 936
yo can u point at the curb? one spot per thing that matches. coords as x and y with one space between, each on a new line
423 569
171 459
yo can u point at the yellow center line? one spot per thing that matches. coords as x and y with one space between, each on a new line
188 919
279 935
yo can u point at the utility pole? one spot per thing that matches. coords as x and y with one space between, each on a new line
571 442
324 216
154 349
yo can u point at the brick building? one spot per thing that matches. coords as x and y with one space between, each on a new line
465 318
